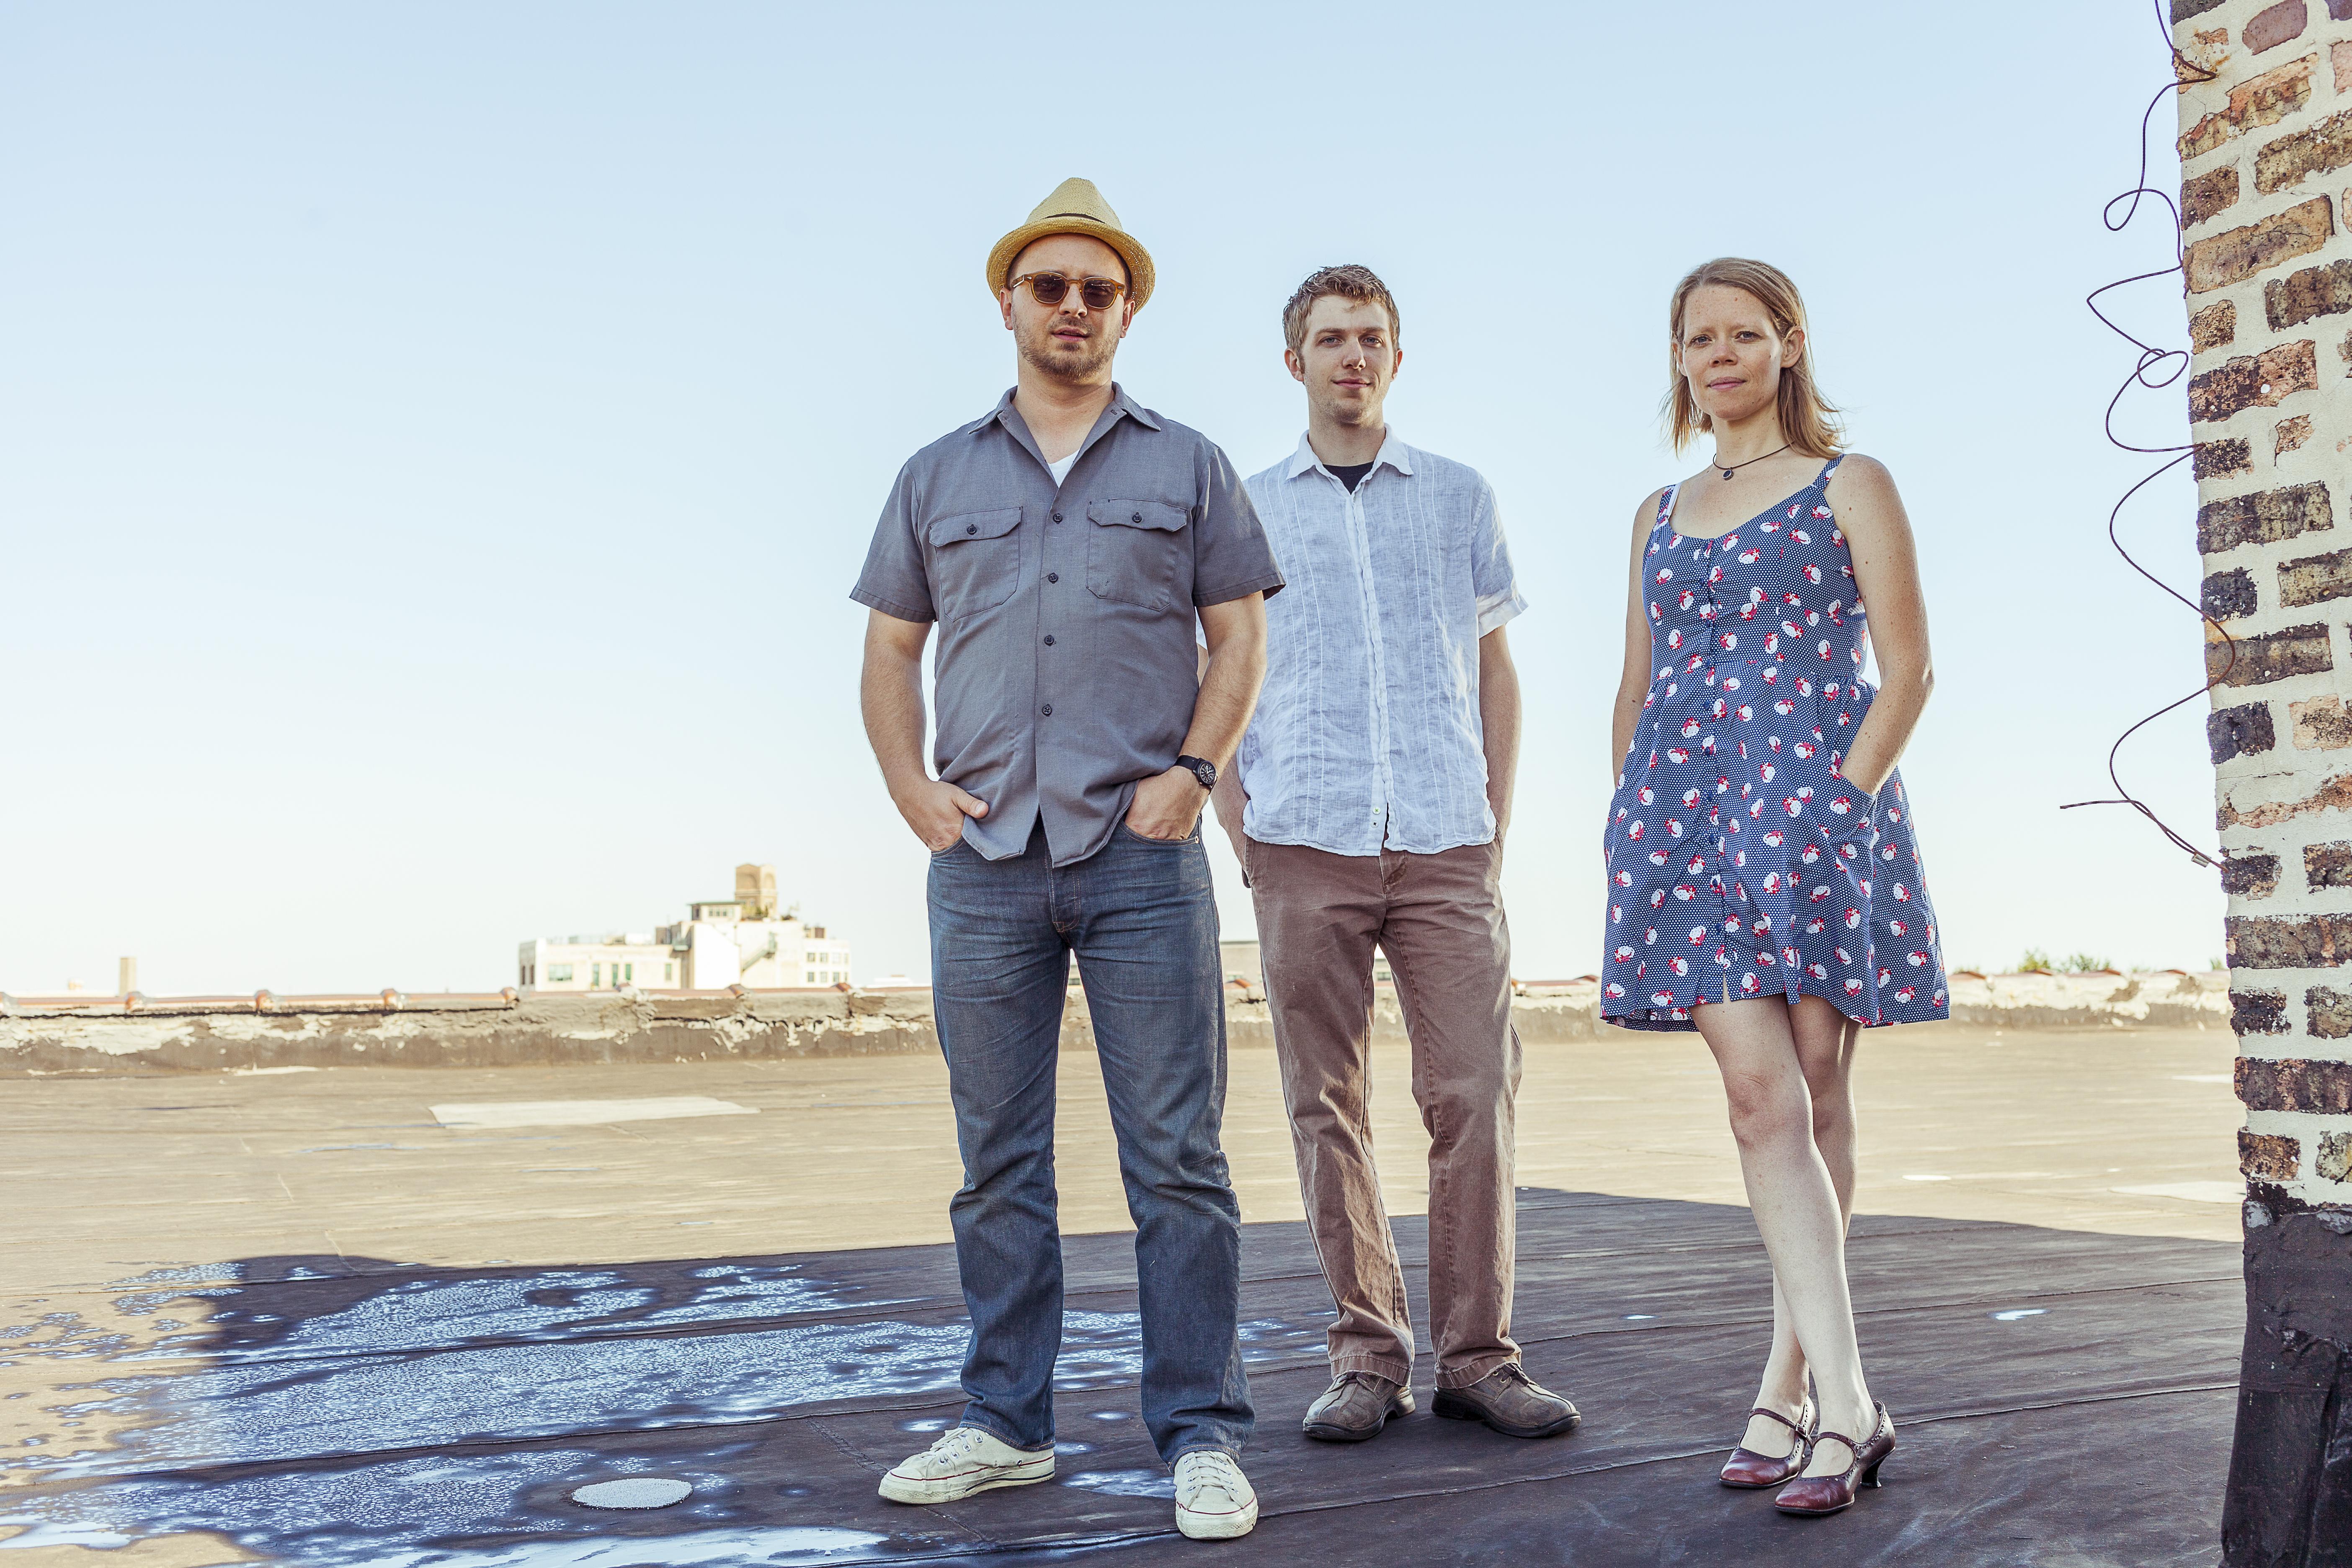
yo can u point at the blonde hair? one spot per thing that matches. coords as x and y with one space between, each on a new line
1808 422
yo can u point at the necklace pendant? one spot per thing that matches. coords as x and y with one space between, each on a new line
1727 473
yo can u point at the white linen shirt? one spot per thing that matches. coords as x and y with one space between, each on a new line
1368 732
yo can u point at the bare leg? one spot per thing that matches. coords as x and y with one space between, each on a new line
1825 1040
1796 1205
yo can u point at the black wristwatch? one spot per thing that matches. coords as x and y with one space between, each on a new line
1202 769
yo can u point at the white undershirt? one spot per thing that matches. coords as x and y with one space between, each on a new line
1061 471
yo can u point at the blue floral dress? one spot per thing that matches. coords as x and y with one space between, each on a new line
1741 864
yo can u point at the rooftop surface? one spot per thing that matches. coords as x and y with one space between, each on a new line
389 1316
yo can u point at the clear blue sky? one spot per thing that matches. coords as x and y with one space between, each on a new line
437 442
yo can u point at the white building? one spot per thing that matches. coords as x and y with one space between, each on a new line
594 963
742 940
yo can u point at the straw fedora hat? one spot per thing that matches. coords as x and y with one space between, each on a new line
1075 207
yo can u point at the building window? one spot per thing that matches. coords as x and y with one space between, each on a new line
595 975
559 972
632 976
670 973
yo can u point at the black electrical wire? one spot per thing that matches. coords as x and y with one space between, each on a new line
2153 360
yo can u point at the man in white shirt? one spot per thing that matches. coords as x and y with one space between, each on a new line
1368 806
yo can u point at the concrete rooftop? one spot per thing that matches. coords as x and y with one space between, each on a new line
303 1317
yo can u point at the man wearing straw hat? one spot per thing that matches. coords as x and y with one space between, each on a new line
1066 543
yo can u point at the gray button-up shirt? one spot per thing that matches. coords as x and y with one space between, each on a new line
1066 669
1369 734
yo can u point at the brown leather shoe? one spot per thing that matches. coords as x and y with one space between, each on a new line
1833 1494
1355 1407
1510 1402
1749 1470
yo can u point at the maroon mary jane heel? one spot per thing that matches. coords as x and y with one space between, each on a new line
1750 1471
1834 1494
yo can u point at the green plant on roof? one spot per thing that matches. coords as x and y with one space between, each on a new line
2035 962
2082 964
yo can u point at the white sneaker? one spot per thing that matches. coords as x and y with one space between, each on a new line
965 1461
1213 1499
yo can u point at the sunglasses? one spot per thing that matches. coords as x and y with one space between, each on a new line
1051 287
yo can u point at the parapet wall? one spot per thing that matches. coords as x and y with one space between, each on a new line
111 1037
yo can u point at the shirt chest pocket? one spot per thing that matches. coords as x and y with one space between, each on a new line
975 562
1137 553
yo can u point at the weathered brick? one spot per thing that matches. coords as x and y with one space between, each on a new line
2314 291
2288 942
2327 865
2237 254
2314 150
2340 56
2258 100
2290 433
2268 1156
2241 731
2320 724
2330 1012
2274 655
2215 326
2259 1013
2335 795
2254 381
2264 517
2280 24
2214 191
2316 578
2339 10
2295 1085
2250 876
2199 57
2331 1157
2218 459
2228 595
2184 9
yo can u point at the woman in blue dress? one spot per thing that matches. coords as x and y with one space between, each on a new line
1764 887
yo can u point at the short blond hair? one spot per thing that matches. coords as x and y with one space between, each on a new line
1348 282
1808 421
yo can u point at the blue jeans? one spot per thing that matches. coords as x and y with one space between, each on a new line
1142 918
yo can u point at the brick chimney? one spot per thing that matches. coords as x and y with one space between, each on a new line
2266 161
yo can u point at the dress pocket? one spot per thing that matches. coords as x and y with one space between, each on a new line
1849 813
1136 551
975 562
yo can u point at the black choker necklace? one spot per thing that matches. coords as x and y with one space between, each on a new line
1737 466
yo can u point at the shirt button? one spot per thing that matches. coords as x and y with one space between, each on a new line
1053 576
1138 518
1048 710
1049 639
1057 517
971 528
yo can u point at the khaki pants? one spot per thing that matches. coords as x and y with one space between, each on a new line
1439 917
